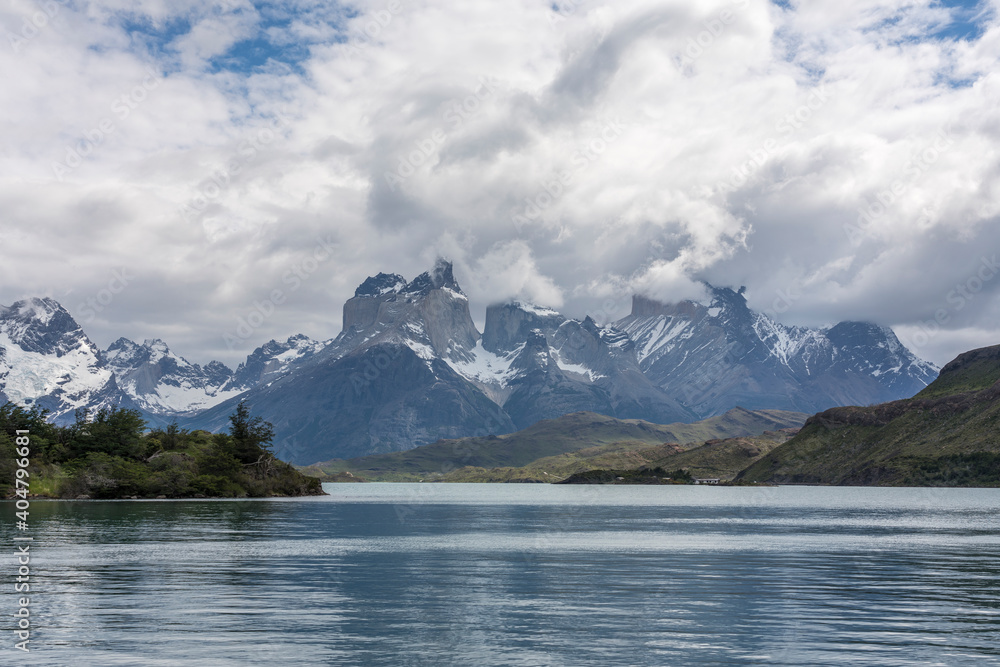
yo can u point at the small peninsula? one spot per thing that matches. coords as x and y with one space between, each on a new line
111 455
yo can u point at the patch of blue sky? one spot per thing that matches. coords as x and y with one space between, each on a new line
155 38
284 35
968 20
261 52
955 20
281 37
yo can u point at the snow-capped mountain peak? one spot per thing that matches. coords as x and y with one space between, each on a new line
163 383
40 310
47 360
272 360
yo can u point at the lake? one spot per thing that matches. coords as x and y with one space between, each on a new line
516 574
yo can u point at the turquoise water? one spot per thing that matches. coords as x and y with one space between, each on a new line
467 574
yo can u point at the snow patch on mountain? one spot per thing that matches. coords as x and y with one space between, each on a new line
785 343
75 374
184 397
657 334
272 360
486 367
575 369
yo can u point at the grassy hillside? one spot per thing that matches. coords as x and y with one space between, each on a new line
616 456
724 458
556 442
969 372
948 434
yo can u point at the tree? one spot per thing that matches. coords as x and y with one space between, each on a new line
251 436
112 431
13 417
44 437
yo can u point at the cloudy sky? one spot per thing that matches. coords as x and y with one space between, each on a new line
168 168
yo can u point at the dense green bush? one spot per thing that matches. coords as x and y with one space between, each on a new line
972 469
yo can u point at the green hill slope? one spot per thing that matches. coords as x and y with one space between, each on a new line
948 434
722 458
551 438
725 458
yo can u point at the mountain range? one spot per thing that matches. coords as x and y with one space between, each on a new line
47 360
410 367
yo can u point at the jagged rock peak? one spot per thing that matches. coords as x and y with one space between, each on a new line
41 314
123 352
157 349
440 277
41 325
383 283
727 294
39 309
728 298
723 299
123 345
217 372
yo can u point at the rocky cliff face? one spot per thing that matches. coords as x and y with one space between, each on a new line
429 314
